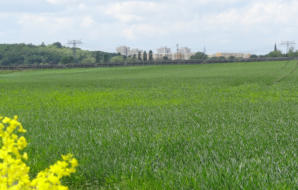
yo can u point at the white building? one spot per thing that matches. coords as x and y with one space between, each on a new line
135 52
183 53
123 50
163 52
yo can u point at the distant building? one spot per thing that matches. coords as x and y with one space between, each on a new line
123 50
183 53
163 53
135 52
228 55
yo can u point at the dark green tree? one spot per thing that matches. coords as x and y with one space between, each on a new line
199 55
150 55
275 54
253 56
67 59
145 56
98 56
57 45
105 58
139 56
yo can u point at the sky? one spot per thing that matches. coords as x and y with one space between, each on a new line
247 26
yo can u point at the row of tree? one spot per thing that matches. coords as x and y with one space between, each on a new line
56 53
140 57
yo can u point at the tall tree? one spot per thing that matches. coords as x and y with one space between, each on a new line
98 56
150 55
139 56
145 56
105 58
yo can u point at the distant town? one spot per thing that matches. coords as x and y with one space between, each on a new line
181 53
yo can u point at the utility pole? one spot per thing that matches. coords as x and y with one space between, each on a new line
177 53
288 44
74 44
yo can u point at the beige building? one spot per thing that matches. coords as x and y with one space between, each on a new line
228 55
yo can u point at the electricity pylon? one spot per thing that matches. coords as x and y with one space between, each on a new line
288 44
74 44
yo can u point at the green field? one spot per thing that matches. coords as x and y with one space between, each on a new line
215 126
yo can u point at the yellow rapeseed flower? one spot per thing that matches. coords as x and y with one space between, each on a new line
14 173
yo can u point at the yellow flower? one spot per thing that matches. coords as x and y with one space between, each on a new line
25 156
22 143
15 173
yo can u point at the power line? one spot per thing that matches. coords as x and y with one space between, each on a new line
288 44
74 44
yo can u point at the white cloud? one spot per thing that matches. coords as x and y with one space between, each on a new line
57 2
216 23
256 15
87 21
131 11
45 26
143 31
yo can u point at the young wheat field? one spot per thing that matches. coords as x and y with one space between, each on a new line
213 126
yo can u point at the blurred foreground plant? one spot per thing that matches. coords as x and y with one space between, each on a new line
14 173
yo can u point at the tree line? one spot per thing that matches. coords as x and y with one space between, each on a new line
56 53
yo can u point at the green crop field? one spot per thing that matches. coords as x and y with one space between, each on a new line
215 126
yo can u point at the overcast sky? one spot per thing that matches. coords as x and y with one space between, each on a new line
251 26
